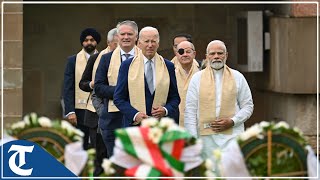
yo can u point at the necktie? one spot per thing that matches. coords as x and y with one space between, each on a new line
149 76
127 56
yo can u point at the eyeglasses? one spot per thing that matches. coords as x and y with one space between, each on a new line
187 51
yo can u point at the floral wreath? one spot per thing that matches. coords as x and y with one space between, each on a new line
33 121
274 149
52 135
158 148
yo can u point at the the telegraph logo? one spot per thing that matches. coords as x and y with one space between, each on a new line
20 152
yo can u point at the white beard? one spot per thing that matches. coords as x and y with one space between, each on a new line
217 65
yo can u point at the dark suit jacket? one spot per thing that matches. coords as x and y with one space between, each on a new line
90 118
69 89
102 88
121 95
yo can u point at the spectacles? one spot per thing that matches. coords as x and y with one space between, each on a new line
187 51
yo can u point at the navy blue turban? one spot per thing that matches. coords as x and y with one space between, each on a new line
90 32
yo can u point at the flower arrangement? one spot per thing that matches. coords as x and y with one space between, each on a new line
33 121
274 149
158 148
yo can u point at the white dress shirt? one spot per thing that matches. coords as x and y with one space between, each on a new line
244 107
122 53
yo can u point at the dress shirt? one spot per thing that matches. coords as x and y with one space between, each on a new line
122 53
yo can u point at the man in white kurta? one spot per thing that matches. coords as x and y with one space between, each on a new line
218 130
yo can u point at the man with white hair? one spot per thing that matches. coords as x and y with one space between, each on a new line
147 83
218 101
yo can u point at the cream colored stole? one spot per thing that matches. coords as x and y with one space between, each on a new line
94 70
113 72
81 97
136 84
207 99
183 81
175 61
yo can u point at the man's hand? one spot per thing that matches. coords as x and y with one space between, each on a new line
92 84
140 116
158 112
72 118
222 124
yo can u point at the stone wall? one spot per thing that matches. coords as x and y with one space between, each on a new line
12 62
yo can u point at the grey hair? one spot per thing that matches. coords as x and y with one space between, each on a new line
149 28
221 43
111 34
128 23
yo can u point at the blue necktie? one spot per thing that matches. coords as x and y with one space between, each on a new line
127 56
149 76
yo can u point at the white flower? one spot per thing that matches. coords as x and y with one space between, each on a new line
208 164
282 124
91 151
264 124
106 165
68 127
78 132
175 127
18 125
155 134
33 116
150 122
297 130
77 138
253 131
217 154
209 173
26 119
166 122
44 122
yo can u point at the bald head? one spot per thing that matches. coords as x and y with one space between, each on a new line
185 54
185 44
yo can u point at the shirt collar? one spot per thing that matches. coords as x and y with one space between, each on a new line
146 59
130 52
88 55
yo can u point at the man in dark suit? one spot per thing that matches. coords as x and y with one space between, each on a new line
91 114
74 98
147 83
106 79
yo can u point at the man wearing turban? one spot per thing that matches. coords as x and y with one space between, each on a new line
75 99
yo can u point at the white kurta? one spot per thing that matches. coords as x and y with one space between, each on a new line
244 109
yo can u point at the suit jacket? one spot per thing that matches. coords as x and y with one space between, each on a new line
90 118
108 120
69 89
122 101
